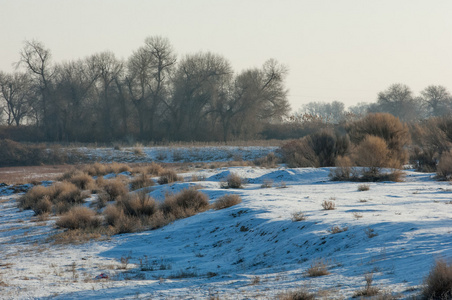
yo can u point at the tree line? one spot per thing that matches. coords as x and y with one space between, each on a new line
152 95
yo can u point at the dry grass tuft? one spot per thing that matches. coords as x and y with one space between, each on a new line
337 229
141 181
168 176
444 168
369 290
233 181
115 188
328 205
79 217
438 284
300 294
317 268
363 187
227 201
186 203
82 180
298 216
154 169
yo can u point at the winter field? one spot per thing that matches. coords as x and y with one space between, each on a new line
290 223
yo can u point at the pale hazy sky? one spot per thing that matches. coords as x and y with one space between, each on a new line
344 50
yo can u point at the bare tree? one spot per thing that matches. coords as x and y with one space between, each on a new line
148 79
437 99
398 100
16 91
257 96
37 60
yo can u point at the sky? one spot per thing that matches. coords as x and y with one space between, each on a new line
336 50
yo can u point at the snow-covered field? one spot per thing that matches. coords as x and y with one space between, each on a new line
253 250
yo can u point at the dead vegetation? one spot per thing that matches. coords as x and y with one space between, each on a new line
227 201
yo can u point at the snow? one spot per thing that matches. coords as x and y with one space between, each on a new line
249 251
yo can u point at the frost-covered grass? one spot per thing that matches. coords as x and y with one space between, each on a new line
253 249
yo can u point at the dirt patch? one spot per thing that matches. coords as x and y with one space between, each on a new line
22 175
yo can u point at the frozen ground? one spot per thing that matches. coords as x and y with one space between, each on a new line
249 251
174 154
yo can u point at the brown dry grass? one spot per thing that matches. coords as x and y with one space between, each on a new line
79 217
114 188
300 294
317 268
141 181
168 176
22 175
328 205
227 201
233 181
438 284
184 204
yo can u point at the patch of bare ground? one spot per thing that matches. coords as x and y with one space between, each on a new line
22 175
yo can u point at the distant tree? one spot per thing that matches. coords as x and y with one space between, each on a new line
333 112
37 61
398 100
437 100
16 91
200 82
257 96
148 80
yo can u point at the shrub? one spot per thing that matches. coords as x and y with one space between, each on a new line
227 201
115 188
298 216
138 204
363 187
79 217
317 268
82 180
444 168
154 169
67 192
299 154
328 205
117 168
96 169
387 127
337 229
140 182
268 161
43 206
343 170
374 154
35 194
369 290
438 284
184 204
168 176
233 181
300 294
112 213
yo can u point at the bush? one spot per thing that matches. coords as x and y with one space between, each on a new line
227 201
154 169
184 204
317 268
115 188
343 170
63 195
299 154
82 181
374 154
233 181
438 284
268 161
444 168
43 206
300 294
18 154
328 205
363 187
369 290
317 150
79 217
387 127
141 181
137 204
168 176
298 216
